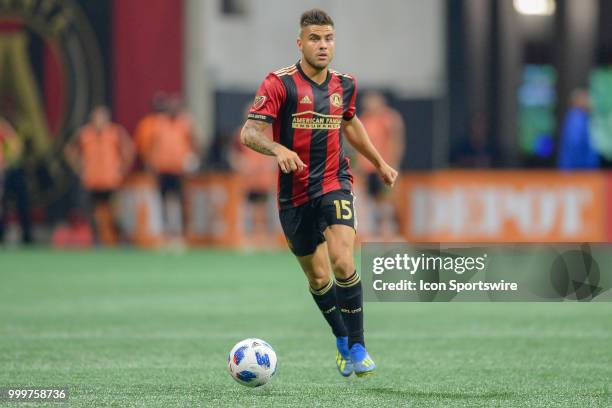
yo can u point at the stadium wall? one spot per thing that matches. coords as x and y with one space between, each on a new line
405 31
148 55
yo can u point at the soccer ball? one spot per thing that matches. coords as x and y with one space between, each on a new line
252 362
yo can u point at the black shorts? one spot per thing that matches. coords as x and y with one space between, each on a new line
100 196
257 196
170 183
304 225
376 186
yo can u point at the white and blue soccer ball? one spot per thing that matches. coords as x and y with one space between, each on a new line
252 362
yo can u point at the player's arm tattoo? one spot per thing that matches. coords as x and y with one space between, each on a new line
253 136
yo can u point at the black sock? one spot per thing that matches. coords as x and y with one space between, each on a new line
350 300
325 298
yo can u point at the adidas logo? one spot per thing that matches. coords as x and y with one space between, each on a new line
305 99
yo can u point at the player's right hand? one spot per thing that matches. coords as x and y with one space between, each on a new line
288 160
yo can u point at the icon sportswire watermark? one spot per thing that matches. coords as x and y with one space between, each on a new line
395 272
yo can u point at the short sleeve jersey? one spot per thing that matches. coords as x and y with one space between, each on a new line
307 119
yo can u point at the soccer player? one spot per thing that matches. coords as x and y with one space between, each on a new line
310 107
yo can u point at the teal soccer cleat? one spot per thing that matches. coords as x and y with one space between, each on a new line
362 362
343 357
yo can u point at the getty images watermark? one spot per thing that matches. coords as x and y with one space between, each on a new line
451 272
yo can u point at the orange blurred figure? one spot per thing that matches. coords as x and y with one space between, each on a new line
101 153
387 131
258 177
146 128
171 152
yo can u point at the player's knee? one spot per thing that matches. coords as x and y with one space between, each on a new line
318 281
343 266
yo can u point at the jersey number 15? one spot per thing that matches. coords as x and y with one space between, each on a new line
343 209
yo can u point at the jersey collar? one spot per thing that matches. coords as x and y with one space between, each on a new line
307 78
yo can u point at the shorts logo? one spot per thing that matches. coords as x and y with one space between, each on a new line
335 100
259 101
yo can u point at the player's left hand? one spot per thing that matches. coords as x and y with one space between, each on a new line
388 174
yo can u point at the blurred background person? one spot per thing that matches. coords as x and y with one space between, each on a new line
146 128
576 148
258 178
13 186
386 129
101 153
9 144
173 153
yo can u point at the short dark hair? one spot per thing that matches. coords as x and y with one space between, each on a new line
315 17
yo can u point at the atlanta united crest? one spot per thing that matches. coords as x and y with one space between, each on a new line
335 100
71 61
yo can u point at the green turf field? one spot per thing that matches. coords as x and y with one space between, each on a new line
129 328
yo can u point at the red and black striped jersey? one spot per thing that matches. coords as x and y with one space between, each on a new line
307 119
